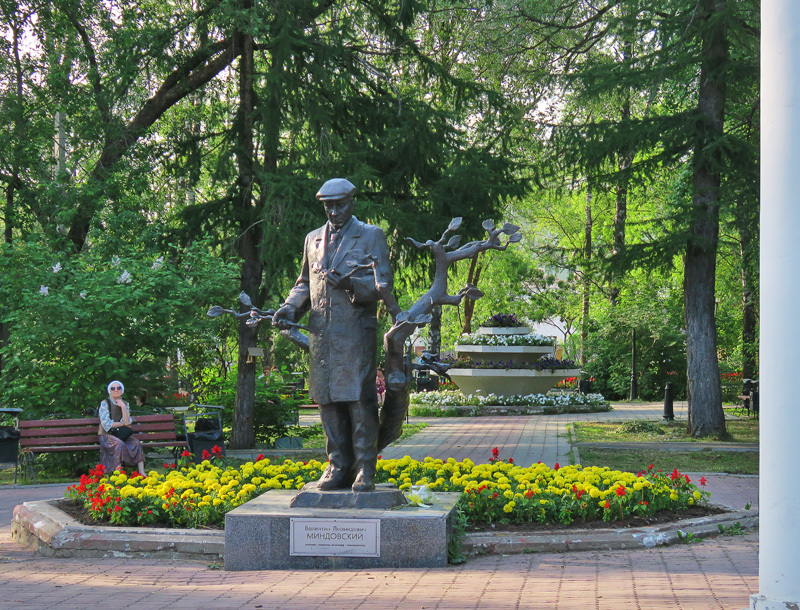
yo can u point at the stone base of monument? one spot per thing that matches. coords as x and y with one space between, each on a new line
268 533
384 496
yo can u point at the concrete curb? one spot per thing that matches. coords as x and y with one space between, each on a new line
670 446
607 539
52 533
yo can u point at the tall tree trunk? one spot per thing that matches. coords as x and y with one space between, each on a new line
634 390
705 397
749 304
243 433
435 330
19 134
624 162
586 285
473 277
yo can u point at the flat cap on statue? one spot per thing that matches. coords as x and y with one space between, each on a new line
336 188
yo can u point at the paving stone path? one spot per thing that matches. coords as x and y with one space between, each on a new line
527 439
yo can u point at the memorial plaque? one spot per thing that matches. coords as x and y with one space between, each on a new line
335 537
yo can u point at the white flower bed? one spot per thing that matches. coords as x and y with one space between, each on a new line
454 398
504 340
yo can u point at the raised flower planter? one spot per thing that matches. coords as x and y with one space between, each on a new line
508 382
517 353
506 379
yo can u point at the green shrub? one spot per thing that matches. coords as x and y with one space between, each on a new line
275 409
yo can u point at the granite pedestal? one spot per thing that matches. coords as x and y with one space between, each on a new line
269 534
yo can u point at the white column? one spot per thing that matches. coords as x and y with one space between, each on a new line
779 499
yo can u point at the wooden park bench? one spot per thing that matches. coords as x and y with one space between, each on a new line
59 435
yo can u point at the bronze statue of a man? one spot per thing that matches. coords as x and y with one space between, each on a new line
338 288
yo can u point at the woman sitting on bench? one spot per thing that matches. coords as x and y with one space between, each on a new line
115 414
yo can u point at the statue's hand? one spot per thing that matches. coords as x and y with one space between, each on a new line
283 316
337 281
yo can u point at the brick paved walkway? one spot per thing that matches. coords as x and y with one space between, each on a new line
526 439
720 573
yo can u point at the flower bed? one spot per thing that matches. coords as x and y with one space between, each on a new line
199 496
502 320
455 398
530 339
454 403
545 363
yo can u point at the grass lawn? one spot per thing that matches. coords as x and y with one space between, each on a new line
731 462
641 431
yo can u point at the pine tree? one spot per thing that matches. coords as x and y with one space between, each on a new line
667 66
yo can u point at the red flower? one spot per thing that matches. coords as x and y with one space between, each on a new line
216 450
380 456
206 455
688 480
556 466
675 475
510 460
703 481
528 493
650 467
259 457
495 453
579 493
186 453
621 491
608 504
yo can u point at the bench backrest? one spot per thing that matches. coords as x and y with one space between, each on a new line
82 432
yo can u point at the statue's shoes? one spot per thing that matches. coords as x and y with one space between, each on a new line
364 482
333 478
